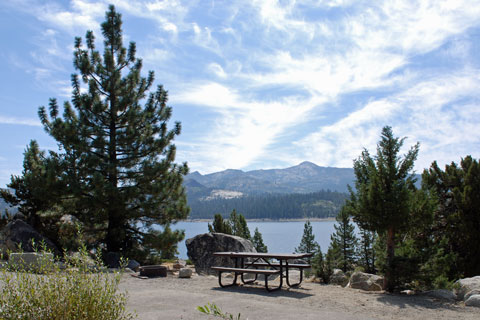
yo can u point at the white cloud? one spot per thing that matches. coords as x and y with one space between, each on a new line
19 121
430 112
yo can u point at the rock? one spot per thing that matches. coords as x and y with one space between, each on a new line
471 293
19 216
32 261
69 220
200 250
185 273
179 264
408 292
133 265
365 281
80 260
465 285
339 278
473 301
441 294
18 233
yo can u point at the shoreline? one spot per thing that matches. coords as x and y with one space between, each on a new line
269 220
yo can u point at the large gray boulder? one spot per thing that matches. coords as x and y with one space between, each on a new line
464 286
366 281
19 233
200 250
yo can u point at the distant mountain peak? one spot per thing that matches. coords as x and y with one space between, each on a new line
307 164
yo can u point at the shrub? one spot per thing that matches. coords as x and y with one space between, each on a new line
75 291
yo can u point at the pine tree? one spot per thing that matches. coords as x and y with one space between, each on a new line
343 242
239 226
384 191
118 156
219 225
36 192
366 251
258 242
308 243
456 220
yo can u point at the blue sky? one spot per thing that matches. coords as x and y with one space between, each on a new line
264 84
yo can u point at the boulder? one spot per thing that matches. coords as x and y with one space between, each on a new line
442 294
185 273
339 278
473 301
365 281
32 261
471 293
200 250
19 233
133 265
463 286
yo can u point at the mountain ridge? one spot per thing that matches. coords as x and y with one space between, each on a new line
305 177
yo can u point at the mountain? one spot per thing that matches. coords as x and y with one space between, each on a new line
306 177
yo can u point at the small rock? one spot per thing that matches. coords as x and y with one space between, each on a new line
408 292
185 273
134 265
473 301
34 261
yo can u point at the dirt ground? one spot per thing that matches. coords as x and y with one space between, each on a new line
174 298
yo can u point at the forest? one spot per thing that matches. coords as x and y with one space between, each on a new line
321 204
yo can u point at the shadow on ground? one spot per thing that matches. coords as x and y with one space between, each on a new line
294 293
416 301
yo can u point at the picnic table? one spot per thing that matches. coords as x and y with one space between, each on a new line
266 264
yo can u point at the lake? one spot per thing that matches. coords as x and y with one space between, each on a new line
279 237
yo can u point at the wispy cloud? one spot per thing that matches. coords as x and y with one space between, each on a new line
19 121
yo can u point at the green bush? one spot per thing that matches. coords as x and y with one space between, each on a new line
70 290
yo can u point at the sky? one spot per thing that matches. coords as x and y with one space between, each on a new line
264 84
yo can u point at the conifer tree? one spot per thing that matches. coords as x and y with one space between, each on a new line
257 241
366 251
219 225
308 243
384 193
118 156
343 242
36 192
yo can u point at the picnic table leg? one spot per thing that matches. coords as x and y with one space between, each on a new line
288 278
234 283
241 276
281 280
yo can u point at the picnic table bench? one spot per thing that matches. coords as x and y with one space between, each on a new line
259 263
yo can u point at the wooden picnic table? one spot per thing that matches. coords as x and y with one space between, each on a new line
260 263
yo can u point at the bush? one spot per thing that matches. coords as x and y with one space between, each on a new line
75 291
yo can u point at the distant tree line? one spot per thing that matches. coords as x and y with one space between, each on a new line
322 204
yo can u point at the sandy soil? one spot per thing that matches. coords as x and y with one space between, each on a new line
174 298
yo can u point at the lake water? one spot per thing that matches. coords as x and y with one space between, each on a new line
279 237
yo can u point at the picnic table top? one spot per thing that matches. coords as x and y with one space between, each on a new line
280 256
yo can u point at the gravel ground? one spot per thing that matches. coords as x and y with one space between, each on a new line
174 298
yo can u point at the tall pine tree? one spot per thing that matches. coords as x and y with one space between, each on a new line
343 242
308 243
384 193
118 155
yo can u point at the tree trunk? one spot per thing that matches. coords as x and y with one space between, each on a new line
389 280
